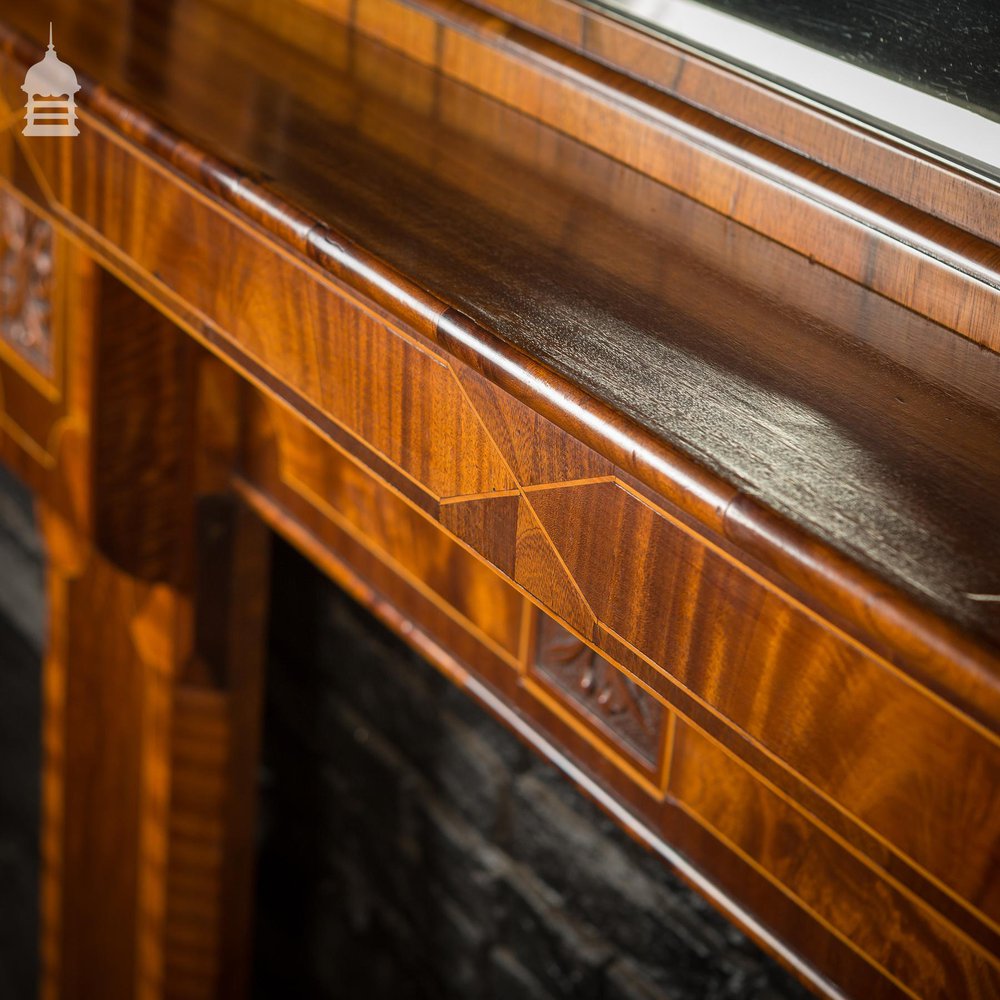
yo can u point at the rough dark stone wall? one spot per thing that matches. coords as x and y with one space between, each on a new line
413 849
22 617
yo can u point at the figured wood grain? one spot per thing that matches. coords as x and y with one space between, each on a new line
893 756
97 751
544 573
906 940
557 733
288 460
404 613
136 798
214 753
462 337
855 839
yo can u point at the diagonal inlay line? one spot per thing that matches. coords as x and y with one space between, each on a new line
521 490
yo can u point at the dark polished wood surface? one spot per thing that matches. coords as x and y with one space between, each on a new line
614 440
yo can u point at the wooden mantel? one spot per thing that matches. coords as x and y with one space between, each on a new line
658 410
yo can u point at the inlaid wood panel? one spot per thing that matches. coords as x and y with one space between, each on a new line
647 483
354 369
731 376
287 457
489 524
538 452
919 775
505 531
558 733
315 485
902 936
543 574
452 642
957 964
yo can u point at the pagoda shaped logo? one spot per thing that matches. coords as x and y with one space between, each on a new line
51 86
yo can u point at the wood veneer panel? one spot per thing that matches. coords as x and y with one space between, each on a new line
489 525
782 401
200 747
846 971
539 453
440 632
894 757
906 939
292 464
97 690
124 894
560 588
600 726
807 796
466 661
358 371
146 394
540 571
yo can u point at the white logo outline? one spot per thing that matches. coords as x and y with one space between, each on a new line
51 86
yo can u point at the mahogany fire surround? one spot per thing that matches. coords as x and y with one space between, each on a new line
658 411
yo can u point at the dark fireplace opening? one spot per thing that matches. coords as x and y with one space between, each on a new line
412 848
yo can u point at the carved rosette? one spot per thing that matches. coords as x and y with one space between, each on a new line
26 284
600 689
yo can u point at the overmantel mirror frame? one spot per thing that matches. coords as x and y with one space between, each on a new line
900 82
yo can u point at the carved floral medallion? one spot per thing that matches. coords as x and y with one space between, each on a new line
600 689
26 284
